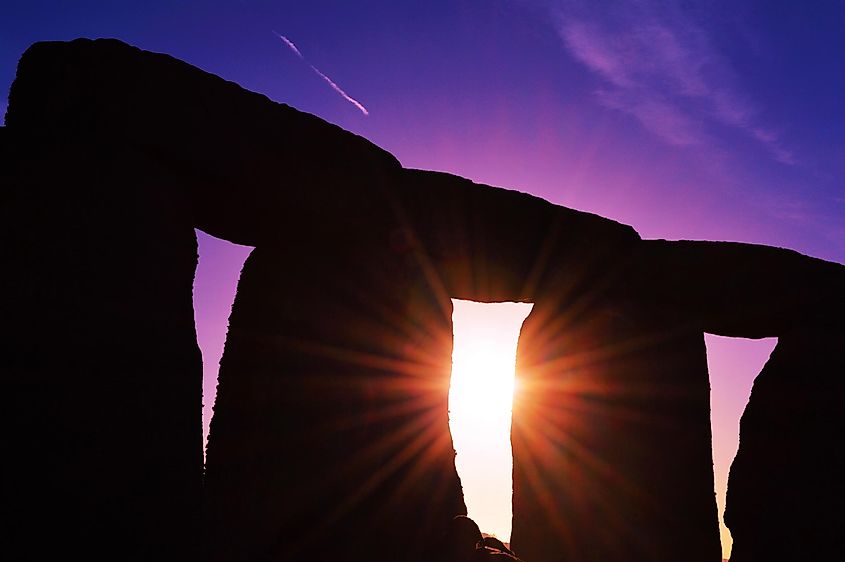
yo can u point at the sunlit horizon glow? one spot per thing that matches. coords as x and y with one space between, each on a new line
480 404
733 364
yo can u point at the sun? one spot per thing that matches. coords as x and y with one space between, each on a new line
480 404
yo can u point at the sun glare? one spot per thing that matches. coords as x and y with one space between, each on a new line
480 402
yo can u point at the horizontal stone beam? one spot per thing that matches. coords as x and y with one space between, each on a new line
739 290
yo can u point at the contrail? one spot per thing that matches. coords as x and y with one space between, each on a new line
290 44
340 91
328 80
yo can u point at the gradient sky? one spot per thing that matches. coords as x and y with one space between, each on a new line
718 120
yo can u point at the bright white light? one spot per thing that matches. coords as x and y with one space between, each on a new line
480 402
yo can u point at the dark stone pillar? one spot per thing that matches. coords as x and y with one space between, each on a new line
786 487
99 366
611 437
330 439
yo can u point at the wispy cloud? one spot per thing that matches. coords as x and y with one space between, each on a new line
332 84
772 141
660 66
657 114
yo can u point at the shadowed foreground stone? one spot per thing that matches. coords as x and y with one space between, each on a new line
331 417
99 366
611 436
330 438
249 165
788 473
738 290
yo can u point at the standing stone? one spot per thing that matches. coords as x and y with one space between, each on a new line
100 371
330 439
787 484
611 436
117 155
112 155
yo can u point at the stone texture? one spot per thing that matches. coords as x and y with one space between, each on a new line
99 366
371 297
330 437
611 436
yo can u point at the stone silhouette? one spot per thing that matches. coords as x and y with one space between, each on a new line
330 437
793 429
611 434
464 542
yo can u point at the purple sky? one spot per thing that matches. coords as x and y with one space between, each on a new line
719 120
712 120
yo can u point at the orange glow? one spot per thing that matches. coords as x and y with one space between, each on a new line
480 402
